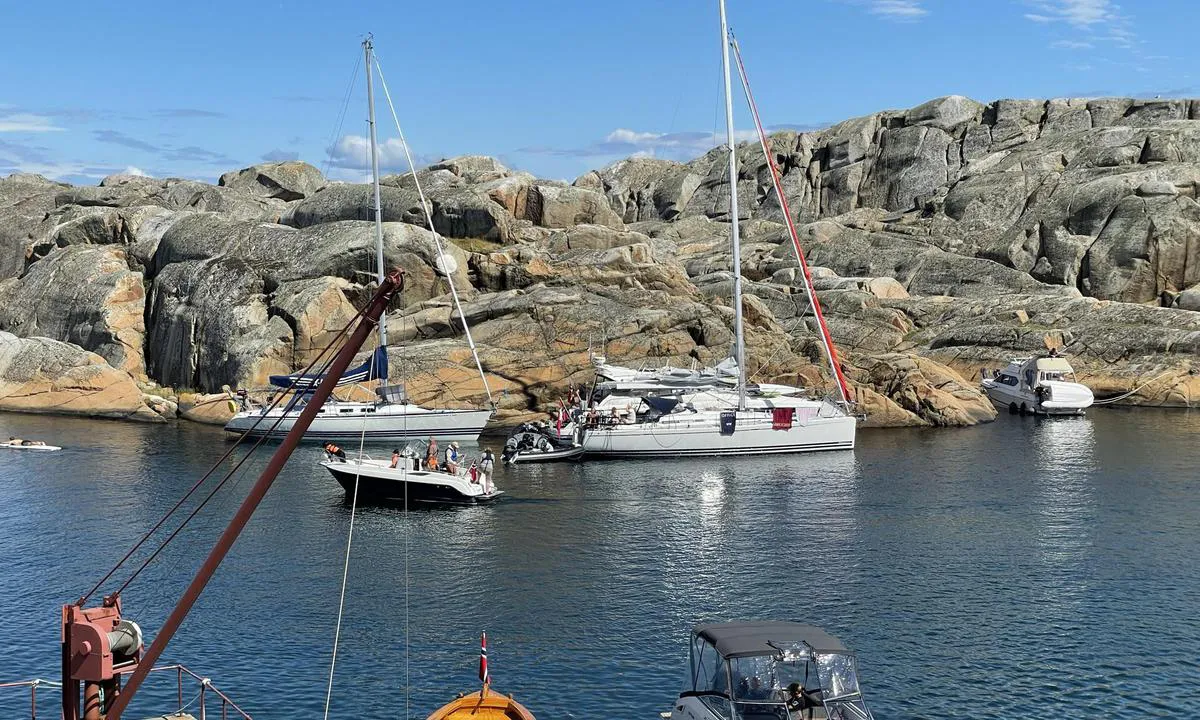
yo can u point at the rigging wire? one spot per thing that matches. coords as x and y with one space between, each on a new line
341 118
436 238
827 341
213 469
337 632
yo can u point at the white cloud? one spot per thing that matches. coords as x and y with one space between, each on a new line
1084 14
898 9
131 170
1072 44
27 122
353 152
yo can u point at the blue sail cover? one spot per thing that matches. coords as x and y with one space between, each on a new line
374 368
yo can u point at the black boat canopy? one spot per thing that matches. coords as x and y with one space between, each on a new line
663 405
747 639
374 368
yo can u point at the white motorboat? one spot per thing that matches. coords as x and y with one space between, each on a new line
1038 386
673 412
378 481
392 416
26 445
769 671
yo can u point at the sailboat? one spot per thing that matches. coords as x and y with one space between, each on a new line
391 416
701 421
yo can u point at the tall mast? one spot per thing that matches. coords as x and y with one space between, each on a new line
368 52
740 344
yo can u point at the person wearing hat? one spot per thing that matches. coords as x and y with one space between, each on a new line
452 458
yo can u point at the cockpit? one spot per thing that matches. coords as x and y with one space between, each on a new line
771 670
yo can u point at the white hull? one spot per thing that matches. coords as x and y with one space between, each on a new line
536 456
43 448
1006 401
349 421
376 480
699 434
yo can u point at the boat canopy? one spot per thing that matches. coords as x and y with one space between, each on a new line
374 368
661 405
747 639
1054 364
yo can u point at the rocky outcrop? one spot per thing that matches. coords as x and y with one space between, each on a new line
281 180
46 376
942 239
85 295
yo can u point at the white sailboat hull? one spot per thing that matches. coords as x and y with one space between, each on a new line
350 421
699 434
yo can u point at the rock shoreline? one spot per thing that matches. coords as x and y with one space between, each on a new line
946 238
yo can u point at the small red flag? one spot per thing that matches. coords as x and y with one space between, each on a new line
483 669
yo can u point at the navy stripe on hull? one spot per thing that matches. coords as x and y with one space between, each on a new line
712 452
349 434
378 490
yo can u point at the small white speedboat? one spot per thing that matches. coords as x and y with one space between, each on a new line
22 446
1038 386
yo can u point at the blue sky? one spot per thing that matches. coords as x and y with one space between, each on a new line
555 88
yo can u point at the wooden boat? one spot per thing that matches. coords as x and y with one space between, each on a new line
485 704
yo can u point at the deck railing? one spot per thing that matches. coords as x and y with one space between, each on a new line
201 699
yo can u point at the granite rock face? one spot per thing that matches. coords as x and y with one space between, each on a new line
943 239
46 376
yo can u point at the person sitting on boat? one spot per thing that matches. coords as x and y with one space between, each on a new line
335 451
452 458
486 463
395 458
431 455
800 699
12 440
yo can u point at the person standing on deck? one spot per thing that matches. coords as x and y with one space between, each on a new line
431 455
486 463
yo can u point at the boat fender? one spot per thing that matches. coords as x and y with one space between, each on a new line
231 405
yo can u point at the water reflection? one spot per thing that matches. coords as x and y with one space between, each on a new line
971 569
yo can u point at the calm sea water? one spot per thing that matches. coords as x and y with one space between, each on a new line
1027 568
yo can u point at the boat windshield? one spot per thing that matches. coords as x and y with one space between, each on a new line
769 686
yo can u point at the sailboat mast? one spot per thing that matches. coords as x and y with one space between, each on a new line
368 52
740 343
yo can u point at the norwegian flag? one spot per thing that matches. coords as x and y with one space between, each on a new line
483 671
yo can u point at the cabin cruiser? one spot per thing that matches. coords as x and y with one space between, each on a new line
378 481
1038 385
769 670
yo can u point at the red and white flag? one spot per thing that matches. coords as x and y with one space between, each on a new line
483 671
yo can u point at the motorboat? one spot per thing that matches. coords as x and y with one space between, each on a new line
409 482
1043 385
769 671
29 445
686 413
537 442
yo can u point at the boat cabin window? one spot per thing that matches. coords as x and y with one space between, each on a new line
1007 379
346 410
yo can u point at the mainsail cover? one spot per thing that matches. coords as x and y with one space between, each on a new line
375 368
